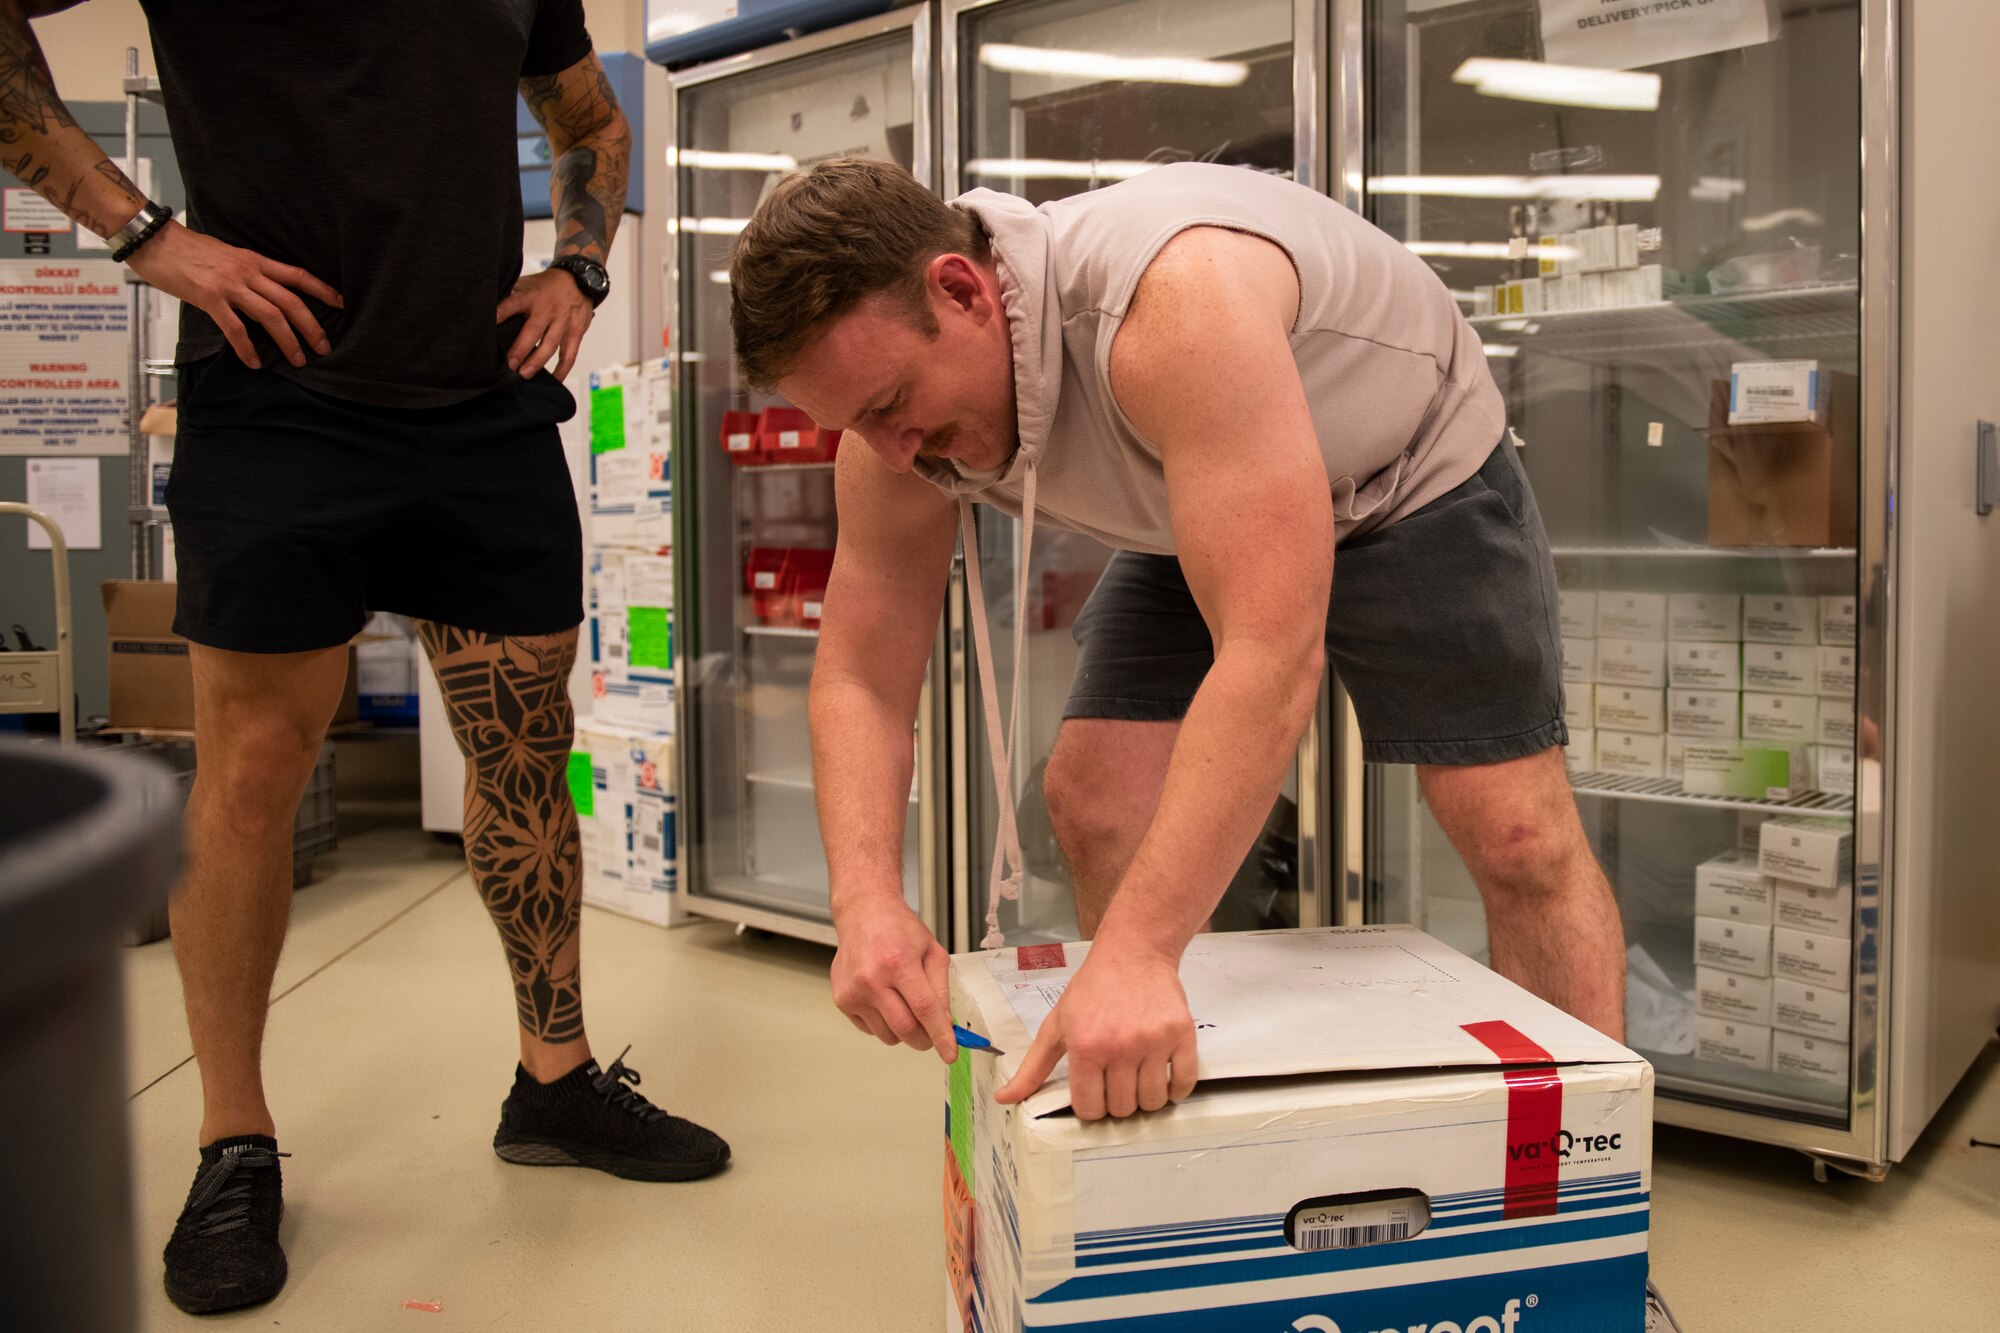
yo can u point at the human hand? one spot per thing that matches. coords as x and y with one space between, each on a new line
890 977
222 279
1125 1024
558 315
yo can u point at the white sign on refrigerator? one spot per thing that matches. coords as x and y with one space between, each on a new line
64 325
66 490
1629 34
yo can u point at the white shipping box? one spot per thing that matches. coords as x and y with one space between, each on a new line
631 638
1705 666
1631 615
1787 719
1725 1041
1676 757
1630 754
1781 620
1778 668
1714 714
1836 725
1836 673
1813 1010
1767 391
627 823
1579 707
1580 755
1819 852
1620 709
1750 831
1833 769
1733 946
1397 1174
1731 887
1641 663
1837 623
1579 661
600 786
1705 617
1811 1058
1817 960
1578 614
1820 911
1733 996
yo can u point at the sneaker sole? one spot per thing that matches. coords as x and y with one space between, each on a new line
236 1299
560 1152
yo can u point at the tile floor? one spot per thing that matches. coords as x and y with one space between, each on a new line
391 1043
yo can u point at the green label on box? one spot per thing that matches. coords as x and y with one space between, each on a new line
650 635
607 419
961 1115
581 789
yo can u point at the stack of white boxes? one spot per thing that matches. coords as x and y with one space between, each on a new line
622 770
1596 268
1734 903
1739 696
1810 863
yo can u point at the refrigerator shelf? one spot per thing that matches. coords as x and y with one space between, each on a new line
752 469
1803 323
1665 791
1684 1078
780 632
1704 552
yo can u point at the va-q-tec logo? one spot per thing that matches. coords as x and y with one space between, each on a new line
1507 1321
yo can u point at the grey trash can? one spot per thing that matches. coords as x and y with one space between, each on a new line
87 840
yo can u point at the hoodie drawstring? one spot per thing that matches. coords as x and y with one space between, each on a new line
1001 732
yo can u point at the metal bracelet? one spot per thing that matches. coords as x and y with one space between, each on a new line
143 226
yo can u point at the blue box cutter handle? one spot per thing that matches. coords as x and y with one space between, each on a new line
972 1041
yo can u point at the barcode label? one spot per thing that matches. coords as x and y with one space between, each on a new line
739 444
765 579
652 844
788 439
1771 391
1312 1239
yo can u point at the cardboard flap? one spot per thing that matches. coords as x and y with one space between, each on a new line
1292 1002
139 609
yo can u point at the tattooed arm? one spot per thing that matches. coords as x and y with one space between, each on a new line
593 147
41 143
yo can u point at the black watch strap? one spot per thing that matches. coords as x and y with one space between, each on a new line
590 277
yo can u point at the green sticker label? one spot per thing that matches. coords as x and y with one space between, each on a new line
650 635
961 1115
607 419
581 789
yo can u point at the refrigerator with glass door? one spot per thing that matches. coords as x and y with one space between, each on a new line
1044 99
755 516
1681 252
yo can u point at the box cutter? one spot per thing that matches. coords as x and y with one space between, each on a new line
972 1041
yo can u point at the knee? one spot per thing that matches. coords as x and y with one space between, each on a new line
1090 809
255 770
1527 863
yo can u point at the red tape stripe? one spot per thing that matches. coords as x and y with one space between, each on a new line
1534 1121
1039 957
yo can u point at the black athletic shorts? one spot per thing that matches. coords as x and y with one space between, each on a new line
1443 629
296 514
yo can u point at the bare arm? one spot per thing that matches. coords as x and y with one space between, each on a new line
1203 367
881 616
41 143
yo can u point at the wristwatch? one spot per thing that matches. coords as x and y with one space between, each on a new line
591 279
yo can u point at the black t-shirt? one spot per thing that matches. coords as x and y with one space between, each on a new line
373 145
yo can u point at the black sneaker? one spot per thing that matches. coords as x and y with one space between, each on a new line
224 1253
593 1117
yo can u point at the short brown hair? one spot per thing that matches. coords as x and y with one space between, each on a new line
825 240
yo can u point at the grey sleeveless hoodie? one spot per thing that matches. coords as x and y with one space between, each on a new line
1395 379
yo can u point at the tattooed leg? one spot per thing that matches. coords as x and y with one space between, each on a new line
508 703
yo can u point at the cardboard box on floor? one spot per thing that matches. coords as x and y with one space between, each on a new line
622 780
152 681
1386 1136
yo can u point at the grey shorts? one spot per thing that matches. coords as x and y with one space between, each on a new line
1443 629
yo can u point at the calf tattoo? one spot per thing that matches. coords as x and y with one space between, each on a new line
508 702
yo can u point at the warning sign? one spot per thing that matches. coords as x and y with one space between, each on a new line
64 354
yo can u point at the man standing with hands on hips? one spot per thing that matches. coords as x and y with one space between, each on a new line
1245 388
366 423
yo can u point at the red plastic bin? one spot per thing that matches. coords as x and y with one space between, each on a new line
766 577
809 568
740 439
787 435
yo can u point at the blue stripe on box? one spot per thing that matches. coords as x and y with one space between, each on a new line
1596 1296
1421 1249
